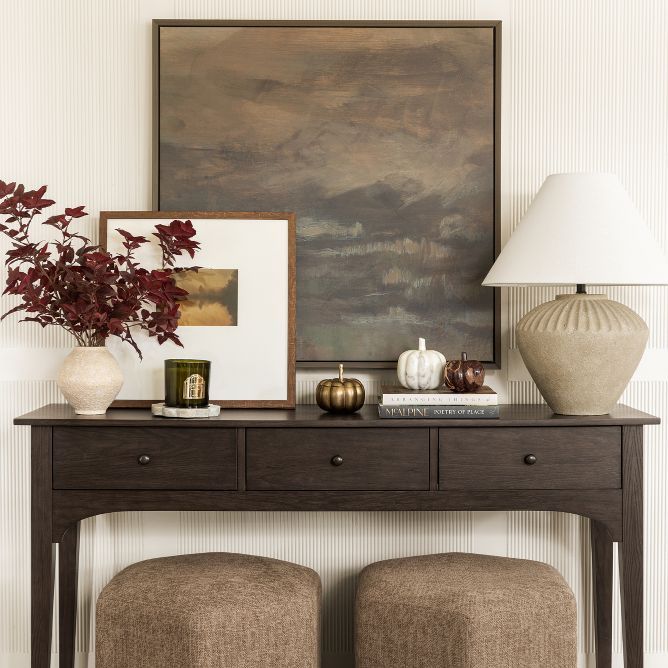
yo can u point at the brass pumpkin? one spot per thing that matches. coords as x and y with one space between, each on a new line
340 395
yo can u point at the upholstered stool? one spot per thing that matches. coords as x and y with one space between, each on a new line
206 610
464 611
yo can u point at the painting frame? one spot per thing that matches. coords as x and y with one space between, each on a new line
107 222
495 361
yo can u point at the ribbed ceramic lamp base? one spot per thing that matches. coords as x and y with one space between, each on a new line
581 350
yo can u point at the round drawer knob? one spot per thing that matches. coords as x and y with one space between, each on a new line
143 459
337 460
530 460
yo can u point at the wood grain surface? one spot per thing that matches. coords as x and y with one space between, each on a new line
301 459
68 571
631 562
604 505
42 551
602 569
93 458
566 458
510 415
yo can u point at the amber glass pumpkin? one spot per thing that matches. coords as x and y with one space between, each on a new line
464 375
340 395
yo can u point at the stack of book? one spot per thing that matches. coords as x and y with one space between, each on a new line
398 402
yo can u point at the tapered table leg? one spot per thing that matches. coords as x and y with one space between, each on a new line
601 553
68 564
631 548
42 551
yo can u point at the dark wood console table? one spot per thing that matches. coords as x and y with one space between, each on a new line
528 459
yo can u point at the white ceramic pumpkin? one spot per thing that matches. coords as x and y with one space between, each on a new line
421 369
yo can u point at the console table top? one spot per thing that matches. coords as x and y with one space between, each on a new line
311 416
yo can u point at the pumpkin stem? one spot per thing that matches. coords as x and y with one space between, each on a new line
341 372
422 344
464 357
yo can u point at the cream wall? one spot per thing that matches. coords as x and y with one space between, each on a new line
585 86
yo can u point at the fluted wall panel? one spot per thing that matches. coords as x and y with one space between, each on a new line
585 86
589 90
15 508
524 392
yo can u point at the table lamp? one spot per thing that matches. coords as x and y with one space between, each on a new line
581 349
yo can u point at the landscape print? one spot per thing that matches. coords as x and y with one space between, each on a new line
213 297
381 140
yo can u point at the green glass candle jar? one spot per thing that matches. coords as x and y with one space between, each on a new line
187 383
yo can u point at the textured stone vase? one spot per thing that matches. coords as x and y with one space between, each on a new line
90 379
581 350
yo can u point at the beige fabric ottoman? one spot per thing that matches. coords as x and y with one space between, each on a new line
206 610
464 611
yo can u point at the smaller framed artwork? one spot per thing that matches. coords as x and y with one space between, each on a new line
240 313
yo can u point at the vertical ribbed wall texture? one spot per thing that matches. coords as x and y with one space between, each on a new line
585 86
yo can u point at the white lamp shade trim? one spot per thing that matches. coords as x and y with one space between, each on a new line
580 228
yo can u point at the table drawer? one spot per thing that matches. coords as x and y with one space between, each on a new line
178 458
499 458
305 459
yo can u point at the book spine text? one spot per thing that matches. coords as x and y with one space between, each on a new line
438 412
439 399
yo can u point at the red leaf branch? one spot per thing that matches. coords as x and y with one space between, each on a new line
89 292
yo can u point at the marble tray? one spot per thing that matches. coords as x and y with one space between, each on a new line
168 411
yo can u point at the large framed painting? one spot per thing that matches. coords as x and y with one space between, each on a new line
383 138
239 313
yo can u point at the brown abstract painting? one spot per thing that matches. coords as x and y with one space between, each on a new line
380 139
213 297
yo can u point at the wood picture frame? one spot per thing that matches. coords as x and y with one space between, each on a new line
327 331
243 229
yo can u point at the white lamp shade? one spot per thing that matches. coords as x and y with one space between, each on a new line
580 228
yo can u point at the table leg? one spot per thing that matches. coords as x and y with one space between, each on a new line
601 553
68 564
631 548
42 550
